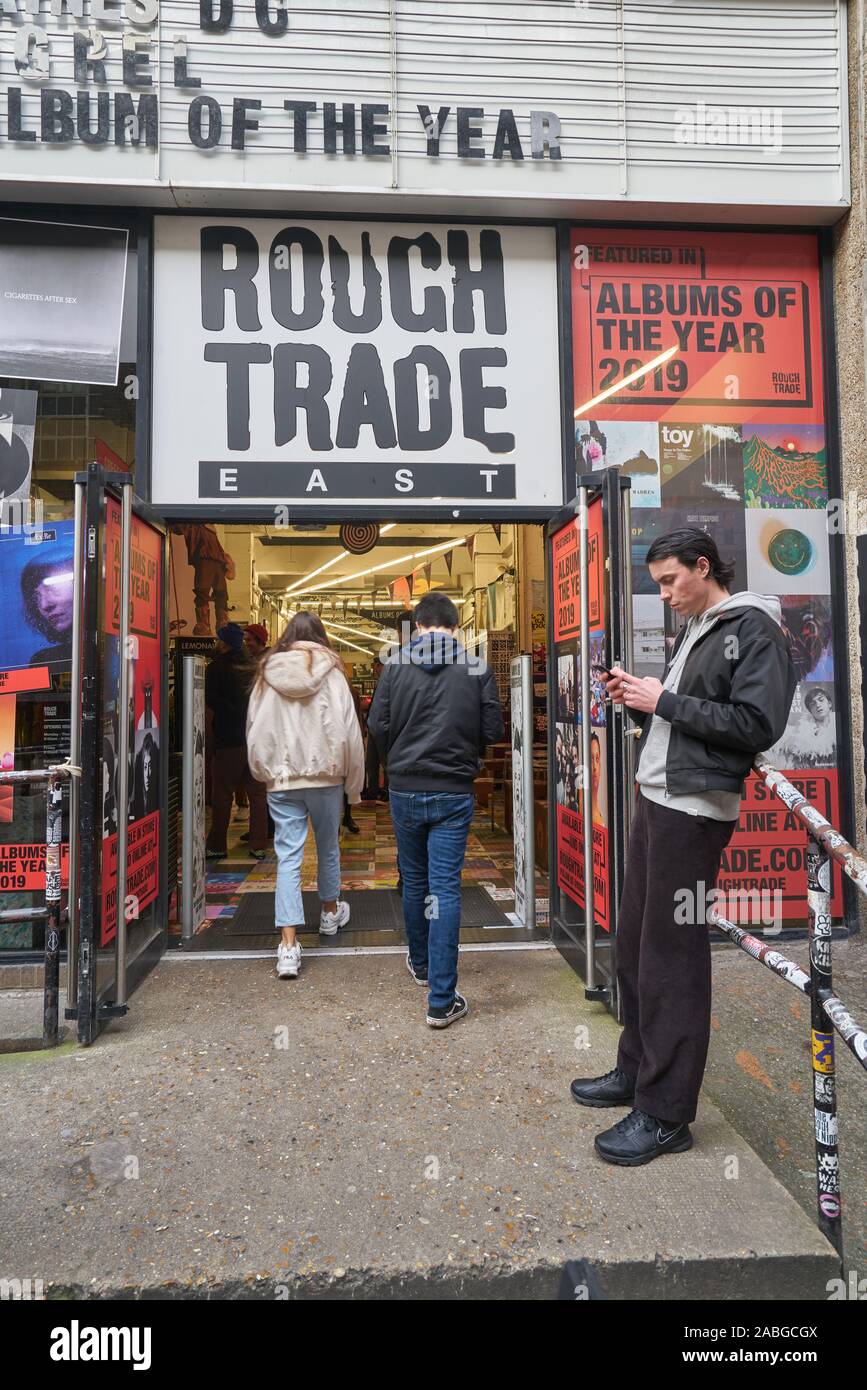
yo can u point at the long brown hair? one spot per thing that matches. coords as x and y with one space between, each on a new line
303 627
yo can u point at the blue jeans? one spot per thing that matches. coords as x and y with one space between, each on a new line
431 830
289 811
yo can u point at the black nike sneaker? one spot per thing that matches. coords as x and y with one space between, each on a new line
639 1138
614 1088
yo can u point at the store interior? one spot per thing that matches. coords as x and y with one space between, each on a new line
363 581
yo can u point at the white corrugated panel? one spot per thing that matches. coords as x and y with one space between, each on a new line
622 76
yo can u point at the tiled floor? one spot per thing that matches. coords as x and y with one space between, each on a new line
369 861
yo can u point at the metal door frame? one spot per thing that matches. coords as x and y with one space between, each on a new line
90 1006
594 955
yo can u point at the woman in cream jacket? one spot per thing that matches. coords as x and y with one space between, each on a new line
304 743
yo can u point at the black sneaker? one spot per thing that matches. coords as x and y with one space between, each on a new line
215 853
419 979
441 1018
639 1138
614 1088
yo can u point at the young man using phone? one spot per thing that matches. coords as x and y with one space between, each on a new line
725 696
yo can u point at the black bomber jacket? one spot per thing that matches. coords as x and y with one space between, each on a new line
732 702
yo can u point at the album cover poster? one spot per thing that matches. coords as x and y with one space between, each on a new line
36 581
631 445
17 434
597 683
62 287
785 466
724 523
807 620
810 739
567 756
787 550
566 688
648 635
701 464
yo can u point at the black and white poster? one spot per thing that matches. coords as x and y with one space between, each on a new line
17 433
61 289
354 361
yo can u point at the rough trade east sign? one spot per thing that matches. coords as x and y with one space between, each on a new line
346 361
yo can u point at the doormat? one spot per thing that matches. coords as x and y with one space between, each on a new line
374 909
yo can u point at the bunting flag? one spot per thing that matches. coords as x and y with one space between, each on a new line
471 546
497 530
402 591
428 570
409 578
345 601
449 559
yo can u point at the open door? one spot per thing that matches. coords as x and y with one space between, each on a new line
590 741
119 740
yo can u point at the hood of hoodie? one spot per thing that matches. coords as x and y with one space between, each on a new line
768 603
298 674
432 651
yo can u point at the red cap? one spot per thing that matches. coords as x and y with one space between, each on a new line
258 631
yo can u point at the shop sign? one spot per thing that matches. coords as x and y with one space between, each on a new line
334 362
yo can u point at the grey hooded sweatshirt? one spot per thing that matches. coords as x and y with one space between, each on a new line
717 805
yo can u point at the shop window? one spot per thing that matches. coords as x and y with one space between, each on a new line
53 430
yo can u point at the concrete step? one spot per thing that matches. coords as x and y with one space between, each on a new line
237 1135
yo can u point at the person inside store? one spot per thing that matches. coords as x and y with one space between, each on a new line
352 825
255 645
227 692
724 697
304 743
255 640
373 760
434 712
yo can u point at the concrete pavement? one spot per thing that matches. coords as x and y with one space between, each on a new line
237 1135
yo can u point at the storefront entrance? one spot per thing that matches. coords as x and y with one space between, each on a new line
362 580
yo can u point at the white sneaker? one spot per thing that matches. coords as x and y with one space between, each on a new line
329 922
288 961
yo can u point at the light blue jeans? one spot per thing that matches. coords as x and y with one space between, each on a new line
289 810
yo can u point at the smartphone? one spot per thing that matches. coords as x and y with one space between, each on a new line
603 671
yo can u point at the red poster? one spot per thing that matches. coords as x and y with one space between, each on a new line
739 312
146 551
570 863
142 873
142 718
767 853
565 554
567 588
28 678
23 867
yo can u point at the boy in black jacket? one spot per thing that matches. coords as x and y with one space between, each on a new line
724 697
435 709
